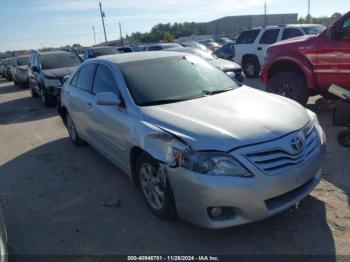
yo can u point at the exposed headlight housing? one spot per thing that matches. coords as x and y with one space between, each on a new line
318 127
52 82
213 163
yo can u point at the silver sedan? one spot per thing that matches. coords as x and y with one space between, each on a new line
197 144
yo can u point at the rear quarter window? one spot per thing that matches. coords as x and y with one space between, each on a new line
248 37
269 36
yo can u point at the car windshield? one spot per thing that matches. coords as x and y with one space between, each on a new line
105 51
314 30
21 61
58 60
173 79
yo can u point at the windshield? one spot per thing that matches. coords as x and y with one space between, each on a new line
58 60
105 51
21 61
314 30
173 79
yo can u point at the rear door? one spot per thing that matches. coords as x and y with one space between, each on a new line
245 44
81 100
111 123
269 37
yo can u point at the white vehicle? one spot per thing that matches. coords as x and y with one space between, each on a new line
251 45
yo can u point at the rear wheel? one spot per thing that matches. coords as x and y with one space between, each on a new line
154 188
344 137
289 84
72 131
33 93
251 67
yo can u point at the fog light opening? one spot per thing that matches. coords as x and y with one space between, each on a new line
215 212
221 213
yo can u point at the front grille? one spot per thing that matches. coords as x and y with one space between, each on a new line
275 159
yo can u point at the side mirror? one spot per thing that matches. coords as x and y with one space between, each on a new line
108 99
334 32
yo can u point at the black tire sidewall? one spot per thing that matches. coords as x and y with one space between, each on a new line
296 82
344 138
257 67
168 212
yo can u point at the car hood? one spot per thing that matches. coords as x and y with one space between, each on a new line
59 72
294 41
229 120
224 65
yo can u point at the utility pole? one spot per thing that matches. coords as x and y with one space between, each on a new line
121 35
308 11
93 29
103 21
265 13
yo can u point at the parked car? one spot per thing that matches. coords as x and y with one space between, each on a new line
9 68
197 145
3 237
227 51
160 46
46 72
308 65
194 45
230 68
251 45
21 71
223 40
93 52
210 44
2 66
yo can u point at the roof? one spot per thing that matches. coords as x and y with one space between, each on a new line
285 25
137 56
52 52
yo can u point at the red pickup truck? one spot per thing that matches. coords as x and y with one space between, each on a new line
303 66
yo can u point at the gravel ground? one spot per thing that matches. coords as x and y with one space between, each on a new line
56 198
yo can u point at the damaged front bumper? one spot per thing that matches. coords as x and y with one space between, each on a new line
248 199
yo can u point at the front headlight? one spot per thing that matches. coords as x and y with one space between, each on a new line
213 163
52 82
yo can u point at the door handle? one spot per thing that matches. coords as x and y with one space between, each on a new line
259 48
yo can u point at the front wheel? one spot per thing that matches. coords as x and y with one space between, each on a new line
251 67
289 84
344 137
154 188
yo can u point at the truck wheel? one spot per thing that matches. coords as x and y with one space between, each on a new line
159 198
251 67
289 84
344 137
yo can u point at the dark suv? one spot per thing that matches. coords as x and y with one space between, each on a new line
93 52
46 72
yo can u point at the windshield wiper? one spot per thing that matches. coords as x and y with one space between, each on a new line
209 93
162 101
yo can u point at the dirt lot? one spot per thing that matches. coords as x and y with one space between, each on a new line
54 197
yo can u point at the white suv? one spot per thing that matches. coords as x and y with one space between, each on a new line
251 45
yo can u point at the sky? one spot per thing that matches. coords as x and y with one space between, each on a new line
32 24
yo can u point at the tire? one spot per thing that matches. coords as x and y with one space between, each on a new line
72 131
44 98
152 188
344 137
33 93
289 84
251 67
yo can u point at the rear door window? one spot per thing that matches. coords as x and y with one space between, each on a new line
104 80
85 76
248 37
290 33
269 36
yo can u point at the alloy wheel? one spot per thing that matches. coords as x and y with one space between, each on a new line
151 184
